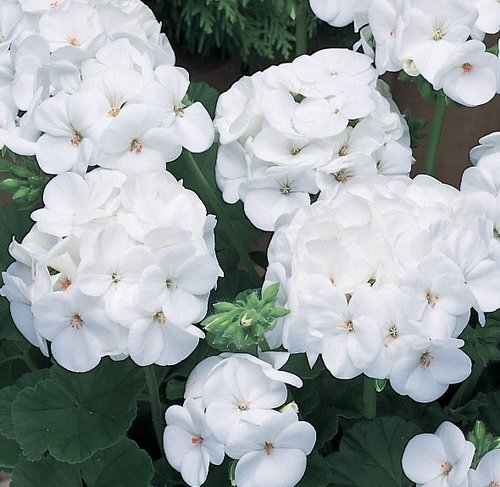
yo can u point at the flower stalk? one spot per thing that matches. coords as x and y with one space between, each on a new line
435 135
155 404
210 197
369 398
301 28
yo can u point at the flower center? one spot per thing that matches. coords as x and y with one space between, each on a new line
268 447
74 41
159 318
76 322
431 299
114 111
295 150
179 110
343 151
391 335
54 4
341 176
425 360
76 138
349 326
446 467
115 278
64 284
170 283
136 146
494 483
285 189
196 440
437 34
243 405
467 67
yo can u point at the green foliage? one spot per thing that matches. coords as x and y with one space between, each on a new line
243 28
417 128
482 344
370 454
121 465
483 441
490 412
73 415
242 325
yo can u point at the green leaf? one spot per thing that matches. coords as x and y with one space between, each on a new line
175 389
48 471
122 465
205 94
370 454
491 413
74 415
9 394
317 472
9 454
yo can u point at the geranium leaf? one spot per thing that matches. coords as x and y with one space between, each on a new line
74 415
370 454
9 394
54 474
490 413
122 465
9 454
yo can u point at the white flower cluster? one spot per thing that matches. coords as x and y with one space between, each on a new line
445 457
441 40
121 260
381 279
303 127
229 408
87 82
114 266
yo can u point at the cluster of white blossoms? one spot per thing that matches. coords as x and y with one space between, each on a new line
445 457
230 408
87 82
441 40
381 279
114 266
121 260
304 127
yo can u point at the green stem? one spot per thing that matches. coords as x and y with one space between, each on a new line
301 28
435 135
154 401
369 398
466 389
210 197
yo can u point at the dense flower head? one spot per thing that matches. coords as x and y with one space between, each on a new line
442 41
303 127
381 279
114 265
93 83
230 407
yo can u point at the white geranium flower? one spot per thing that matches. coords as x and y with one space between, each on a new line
428 368
487 473
279 191
76 26
179 282
198 376
348 328
189 444
489 16
191 124
273 453
152 338
65 145
69 202
251 389
135 141
442 458
469 74
80 331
